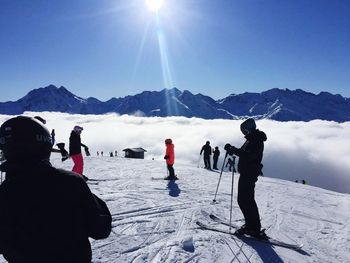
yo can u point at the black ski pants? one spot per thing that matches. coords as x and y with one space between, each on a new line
215 164
206 159
246 201
171 170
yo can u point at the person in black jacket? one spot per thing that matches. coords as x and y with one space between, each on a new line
249 167
207 152
216 154
47 214
75 150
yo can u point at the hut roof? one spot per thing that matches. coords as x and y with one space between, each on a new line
139 149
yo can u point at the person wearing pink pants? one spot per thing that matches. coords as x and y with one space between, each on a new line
75 150
78 163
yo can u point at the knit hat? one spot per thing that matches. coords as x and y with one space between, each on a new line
77 128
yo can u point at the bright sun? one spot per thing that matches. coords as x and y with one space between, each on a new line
154 5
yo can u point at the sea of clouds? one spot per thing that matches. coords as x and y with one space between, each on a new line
316 151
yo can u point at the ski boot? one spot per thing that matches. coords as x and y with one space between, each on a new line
253 233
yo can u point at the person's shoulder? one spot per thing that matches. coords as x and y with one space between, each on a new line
257 135
68 176
262 135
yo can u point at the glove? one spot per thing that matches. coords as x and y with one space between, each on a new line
227 147
166 157
87 151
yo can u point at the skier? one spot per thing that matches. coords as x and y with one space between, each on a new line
216 154
249 167
229 163
207 152
170 158
75 150
47 214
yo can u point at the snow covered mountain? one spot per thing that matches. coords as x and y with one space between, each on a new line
276 104
287 105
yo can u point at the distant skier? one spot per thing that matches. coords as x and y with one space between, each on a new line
47 214
170 158
216 154
75 150
206 149
229 164
249 166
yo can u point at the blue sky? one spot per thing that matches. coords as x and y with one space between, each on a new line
105 48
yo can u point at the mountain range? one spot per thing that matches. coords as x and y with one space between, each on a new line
275 104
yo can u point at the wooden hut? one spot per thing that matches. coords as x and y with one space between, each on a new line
138 153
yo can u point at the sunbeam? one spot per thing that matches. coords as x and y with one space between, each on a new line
172 108
140 51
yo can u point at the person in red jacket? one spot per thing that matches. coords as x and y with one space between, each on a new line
170 158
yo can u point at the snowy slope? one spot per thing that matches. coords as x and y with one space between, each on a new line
154 220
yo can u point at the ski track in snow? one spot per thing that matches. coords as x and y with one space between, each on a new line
154 220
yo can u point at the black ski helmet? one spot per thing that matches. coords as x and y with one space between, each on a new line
24 138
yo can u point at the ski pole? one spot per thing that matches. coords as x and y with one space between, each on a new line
217 188
233 180
200 155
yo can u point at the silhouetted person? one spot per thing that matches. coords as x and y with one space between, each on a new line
249 166
229 164
206 149
216 154
47 214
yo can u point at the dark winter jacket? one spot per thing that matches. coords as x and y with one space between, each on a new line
250 154
206 149
216 153
47 215
75 143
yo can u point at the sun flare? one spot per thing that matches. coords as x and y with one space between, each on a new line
154 5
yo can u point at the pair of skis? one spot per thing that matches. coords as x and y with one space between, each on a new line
269 240
164 178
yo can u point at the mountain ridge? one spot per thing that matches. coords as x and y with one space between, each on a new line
276 104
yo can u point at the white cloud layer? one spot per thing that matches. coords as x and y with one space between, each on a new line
316 151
